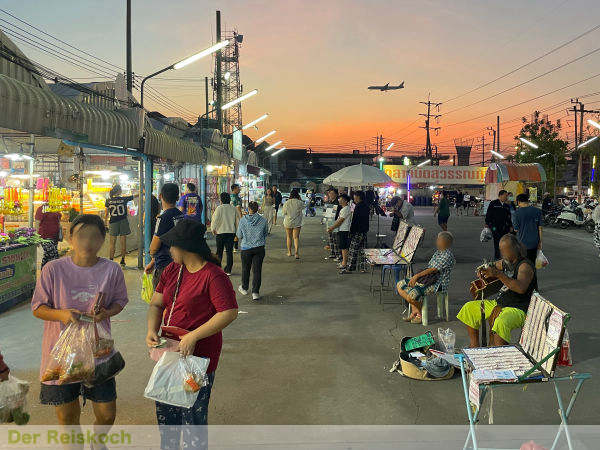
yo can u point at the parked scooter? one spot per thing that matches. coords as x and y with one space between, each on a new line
575 215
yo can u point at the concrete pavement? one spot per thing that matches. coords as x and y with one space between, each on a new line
317 348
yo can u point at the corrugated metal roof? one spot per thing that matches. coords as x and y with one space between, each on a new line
34 110
16 71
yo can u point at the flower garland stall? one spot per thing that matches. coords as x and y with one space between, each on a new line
17 266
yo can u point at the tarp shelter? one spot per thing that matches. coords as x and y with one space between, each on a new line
503 172
513 178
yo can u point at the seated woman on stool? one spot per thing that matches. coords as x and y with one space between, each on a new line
433 279
518 276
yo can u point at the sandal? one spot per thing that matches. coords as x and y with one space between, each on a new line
417 320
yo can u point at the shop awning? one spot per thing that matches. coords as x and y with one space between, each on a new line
31 109
503 172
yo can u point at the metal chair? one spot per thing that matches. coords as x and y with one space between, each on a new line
442 302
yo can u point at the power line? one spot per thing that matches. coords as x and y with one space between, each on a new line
526 64
61 41
525 82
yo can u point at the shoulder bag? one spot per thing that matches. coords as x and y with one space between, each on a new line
169 344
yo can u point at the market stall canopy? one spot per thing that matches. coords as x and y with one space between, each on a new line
357 175
28 108
503 172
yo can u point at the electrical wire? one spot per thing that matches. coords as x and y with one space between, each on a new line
585 33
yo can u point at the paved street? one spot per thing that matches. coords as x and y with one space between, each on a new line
317 348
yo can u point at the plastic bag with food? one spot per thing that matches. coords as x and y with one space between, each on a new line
72 357
486 235
177 380
109 362
13 401
540 260
147 287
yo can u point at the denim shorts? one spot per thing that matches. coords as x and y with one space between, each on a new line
60 394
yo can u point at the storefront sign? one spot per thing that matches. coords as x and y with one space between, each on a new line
17 275
237 144
437 174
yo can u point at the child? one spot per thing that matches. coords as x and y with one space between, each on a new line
67 287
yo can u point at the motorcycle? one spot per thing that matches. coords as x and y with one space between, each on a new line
551 216
577 215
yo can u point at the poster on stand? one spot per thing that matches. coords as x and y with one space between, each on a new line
17 275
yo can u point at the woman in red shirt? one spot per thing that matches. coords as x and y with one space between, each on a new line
204 306
48 228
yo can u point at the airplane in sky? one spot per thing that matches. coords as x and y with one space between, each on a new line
387 87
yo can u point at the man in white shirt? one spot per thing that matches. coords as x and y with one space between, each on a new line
403 209
343 225
223 225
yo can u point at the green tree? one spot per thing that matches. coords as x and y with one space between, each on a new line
546 135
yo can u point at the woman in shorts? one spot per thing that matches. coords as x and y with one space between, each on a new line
343 225
66 288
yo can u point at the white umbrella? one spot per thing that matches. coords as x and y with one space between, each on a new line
357 175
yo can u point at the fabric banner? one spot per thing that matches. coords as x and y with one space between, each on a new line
461 175
17 275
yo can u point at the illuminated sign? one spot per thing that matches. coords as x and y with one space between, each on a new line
437 174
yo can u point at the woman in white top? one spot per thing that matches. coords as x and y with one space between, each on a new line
292 221
343 224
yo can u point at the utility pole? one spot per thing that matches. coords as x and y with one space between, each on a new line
128 38
483 150
206 98
579 141
497 133
219 77
493 133
427 127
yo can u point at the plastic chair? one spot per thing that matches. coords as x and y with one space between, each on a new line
442 302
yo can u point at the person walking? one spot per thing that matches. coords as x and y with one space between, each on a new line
278 202
115 218
342 224
466 202
498 220
190 204
252 231
161 256
333 197
292 221
198 297
66 288
359 228
223 224
459 202
596 219
443 211
268 207
527 223
49 229
512 205
237 202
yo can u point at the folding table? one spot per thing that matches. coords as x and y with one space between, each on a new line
533 360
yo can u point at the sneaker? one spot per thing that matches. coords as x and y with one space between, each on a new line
228 274
255 296
242 291
235 250
345 271
122 261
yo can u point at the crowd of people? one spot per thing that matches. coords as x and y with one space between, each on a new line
197 295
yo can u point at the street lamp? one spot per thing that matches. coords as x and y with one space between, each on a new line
496 154
594 123
254 122
583 144
271 147
528 143
184 62
239 99
270 133
427 161
390 146
279 151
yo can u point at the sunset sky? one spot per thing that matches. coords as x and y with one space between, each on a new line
313 60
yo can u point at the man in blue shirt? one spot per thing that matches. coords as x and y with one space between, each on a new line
528 225
190 204
161 255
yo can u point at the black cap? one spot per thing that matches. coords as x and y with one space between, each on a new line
187 235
